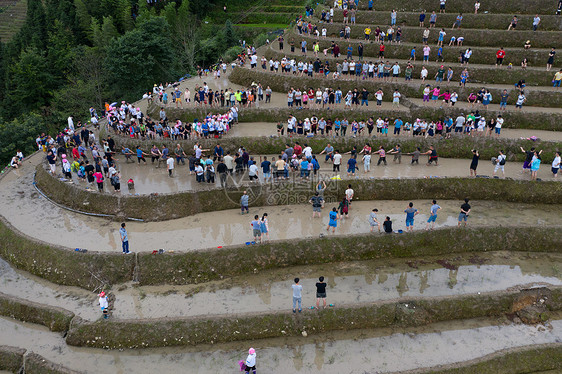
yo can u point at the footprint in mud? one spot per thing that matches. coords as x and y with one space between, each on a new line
196 220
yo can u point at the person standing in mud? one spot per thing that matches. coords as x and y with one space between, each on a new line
433 215
251 361
104 304
320 292
474 162
465 210
411 212
297 296
124 238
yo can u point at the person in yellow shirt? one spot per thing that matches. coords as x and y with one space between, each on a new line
367 33
238 97
316 48
557 79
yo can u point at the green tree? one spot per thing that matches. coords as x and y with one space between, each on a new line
140 58
2 73
123 16
85 85
30 83
83 18
108 30
201 8
20 134
34 30
230 38
96 36
60 51
185 34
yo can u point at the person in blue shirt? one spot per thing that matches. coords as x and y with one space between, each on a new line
124 238
140 155
205 128
411 212
349 51
127 153
266 168
334 216
218 152
351 165
440 54
397 126
370 4
304 169
433 215
422 18
413 54
315 165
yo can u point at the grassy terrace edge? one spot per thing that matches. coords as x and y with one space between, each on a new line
521 360
62 265
90 270
183 204
15 360
408 312
55 319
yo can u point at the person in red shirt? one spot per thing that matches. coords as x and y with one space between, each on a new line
297 149
381 50
336 50
500 54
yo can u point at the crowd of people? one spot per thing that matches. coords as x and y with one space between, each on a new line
129 121
440 92
393 33
472 124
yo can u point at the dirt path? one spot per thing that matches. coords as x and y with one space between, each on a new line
355 352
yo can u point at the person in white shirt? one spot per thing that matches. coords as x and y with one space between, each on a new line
104 304
349 193
337 161
520 100
423 74
70 123
253 172
499 123
500 163
307 152
536 22
556 164
170 166
251 361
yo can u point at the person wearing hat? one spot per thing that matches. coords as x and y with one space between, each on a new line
251 361
104 304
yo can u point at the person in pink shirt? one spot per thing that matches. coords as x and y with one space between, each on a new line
446 97
435 94
472 99
99 180
426 50
382 155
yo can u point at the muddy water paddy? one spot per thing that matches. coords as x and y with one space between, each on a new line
270 291
357 352
33 215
